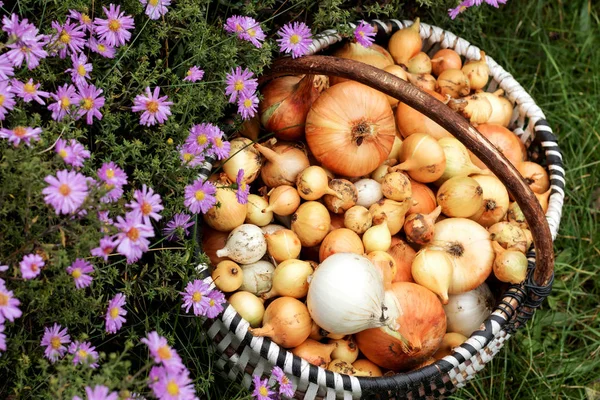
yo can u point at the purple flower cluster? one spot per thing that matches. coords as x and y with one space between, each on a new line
194 74
9 309
170 379
73 153
25 43
245 28
262 390
98 392
85 100
180 221
84 353
241 87
203 300
79 270
453 12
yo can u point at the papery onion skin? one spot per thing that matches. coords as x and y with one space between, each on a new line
460 196
284 161
286 321
290 279
403 255
406 43
254 214
345 350
445 59
535 175
366 368
374 55
283 245
246 244
420 63
350 121
424 198
466 312
495 201
369 192
258 277
358 219
345 196
423 324
229 214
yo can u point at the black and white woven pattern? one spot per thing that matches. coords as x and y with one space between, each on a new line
243 355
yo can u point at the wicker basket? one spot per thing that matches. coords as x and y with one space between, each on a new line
243 355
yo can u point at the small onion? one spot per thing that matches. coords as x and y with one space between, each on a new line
246 244
424 200
369 192
495 200
290 279
535 175
395 70
460 196
404 256
410 121
433 269
284 162
466 312
419 228
445 59
255 214
271 228
393 211
420 63
243 156
505 141
341 240
341 367
250 307
422 157
510 266
396 186
313 183
311 223
477 71
453 83
228 213
345 349
213 240
366 368
406 43
450 341
358 219
228 276
286 321
458 161
377 237
283 245
515 216
344 198
258 277
315 353
283 200
423 81
509 236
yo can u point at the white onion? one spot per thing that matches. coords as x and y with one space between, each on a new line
369 192
245 244
258 277
346 295
466 312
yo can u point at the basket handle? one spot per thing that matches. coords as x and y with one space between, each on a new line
453 123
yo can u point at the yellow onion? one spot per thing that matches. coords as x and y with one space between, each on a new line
284 162
358 219
228 213
377 237
419 228
509 236
227 276
243 156
395 152
250 307
535 175
315 353
350 121
318 333
424 200
398 71
393 211
283 245
515 216
477 71
283 200
285 104
510 265
505 141
406 43
286 321
454 83
476 108
423 81
386 264
460 196
396 186
340 240
290 279
344 198
404 256
502 108
313 183
450 341
433 269
495 200
255 214
445 59
380 172
458 161
366 368
341 367
422 157
345 349
420 63
374 55
410 121
311 223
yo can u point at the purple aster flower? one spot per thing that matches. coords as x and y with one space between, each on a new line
234 24
73 153
115 313
3 268
172 385
84 353
114 178
65 96
101 48
66 192
364 34
81 69
247 105
285 386
200 196
200 137
196 295
495 3
132 237
238 82
262 391
2 338
99 392
79 270
216 299
6 68
190 157
179 221
29 91
53 339
31 266
453 12
242 188
156 8
7 101
83 18
13 27
90 102
155 109
162 352
25 44
69 39
252 32
107 245
103 217
114 31
21 134
296 38
9 309
194 74
219 147
146 204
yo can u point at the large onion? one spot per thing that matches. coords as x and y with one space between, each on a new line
350 121
411 121
505 141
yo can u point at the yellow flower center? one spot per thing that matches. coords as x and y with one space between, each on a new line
87 103
199 195
109 186
172 388
64 189
243 186
251 32
247 103
196 297
65 102
294 39
34 267
169 141
164 352
114 25
211 303
85 19
114 312
2 99
55 342
82 353
110 173
29 87
189 73
153 3
152 106
133 234
285 380
81 70
3 299
63 153
107 250
263 391
19 131
101 48
146 208
239 85
65 37
187 157
239 28
218 142
76 273
361 33
202 139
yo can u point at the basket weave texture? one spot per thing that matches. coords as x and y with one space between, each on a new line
243 355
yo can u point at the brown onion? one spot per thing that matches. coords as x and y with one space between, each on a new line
396 185
420 63
315 353
406 43
344 198
535 175
340 241
366 368
227 276
345 349
358 219
255 214
423 197
228 213
311 223
423 81
409 121
284 162
453 83
374 55
393 211
477 71
286 321
509 236
445 59
243 156
404 256
505 141
419 228
283 245
213 240
313 183
515 216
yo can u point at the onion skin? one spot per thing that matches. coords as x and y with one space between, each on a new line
283 245
535 175
311 223
466 312
213 240
228 276
505 141
366 368
453 83
422 157
286 321
445 59
410 121
341 240
450 341
424 198
374 55
419 228
345 349
350 121
229 214
314 352
406 43
460 196
345 196
243 156
250 307
423 325
420 63
404 256
495 201
284 162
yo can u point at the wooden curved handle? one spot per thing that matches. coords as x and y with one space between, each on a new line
453 123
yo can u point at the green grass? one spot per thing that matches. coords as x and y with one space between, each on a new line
551 47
